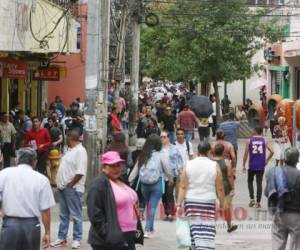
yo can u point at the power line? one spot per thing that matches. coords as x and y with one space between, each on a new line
246 3
44 43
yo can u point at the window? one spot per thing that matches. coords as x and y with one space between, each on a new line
276 81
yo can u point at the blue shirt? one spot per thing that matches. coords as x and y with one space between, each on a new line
230 129
175 161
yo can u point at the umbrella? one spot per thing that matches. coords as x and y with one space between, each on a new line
202 106
257 84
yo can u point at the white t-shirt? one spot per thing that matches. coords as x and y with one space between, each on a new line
73 163
184 151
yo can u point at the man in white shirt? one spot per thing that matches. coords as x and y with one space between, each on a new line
70 181
7 135
25 195
185 148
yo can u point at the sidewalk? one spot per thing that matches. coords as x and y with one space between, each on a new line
165 239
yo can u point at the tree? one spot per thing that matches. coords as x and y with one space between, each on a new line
208 40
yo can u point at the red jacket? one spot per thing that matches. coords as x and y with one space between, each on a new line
41 138
116 123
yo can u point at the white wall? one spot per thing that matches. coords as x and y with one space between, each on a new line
235 89
15 34
14 28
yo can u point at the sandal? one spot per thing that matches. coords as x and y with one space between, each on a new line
232 228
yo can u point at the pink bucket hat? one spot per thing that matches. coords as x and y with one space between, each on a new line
111 157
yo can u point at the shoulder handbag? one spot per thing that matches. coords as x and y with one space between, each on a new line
139 233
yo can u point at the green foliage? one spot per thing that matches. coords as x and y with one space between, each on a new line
210 41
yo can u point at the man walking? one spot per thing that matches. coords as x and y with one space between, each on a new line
184 147
283 192
187 120
8 136
25 195
168 122
70 183
230 129
39 139
256 148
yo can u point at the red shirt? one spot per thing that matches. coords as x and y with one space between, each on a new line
116 123
187 120
40 137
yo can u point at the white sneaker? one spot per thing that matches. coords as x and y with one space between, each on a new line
148 235
58 243
76 244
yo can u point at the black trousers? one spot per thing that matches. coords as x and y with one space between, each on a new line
7 152
259 179
20 234
203 133
41 165
214 125
168 199
129 238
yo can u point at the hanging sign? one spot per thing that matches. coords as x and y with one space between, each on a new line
13 69
51 74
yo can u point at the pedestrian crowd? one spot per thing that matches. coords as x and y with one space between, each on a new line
191 185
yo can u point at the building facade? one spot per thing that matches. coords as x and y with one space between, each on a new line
74 64
35 32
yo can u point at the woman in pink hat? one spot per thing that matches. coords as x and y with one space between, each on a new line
111 208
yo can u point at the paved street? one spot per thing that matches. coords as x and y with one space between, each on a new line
254 231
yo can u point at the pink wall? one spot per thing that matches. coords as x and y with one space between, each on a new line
73 85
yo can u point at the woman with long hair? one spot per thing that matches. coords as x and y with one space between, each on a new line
119 145
152 127
152 168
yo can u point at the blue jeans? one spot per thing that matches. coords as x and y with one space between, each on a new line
152 194
70 207
172 137
189 135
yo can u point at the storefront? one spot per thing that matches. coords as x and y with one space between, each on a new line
23 85
280 80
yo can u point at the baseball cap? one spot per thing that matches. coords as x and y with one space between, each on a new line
110 158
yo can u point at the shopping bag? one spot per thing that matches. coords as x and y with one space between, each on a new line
183 233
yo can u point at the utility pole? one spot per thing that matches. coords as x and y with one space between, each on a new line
119 69
92 79
135 69
104 73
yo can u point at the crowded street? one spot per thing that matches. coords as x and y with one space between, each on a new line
150 124
255 228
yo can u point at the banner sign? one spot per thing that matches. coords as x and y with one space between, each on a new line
51 74
13 69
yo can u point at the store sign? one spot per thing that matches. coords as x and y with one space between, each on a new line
51 74
13 69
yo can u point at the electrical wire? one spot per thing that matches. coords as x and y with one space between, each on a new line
66 40
44 43
178 2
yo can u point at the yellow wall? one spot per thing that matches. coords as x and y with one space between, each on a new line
5 95
21 94
34 87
